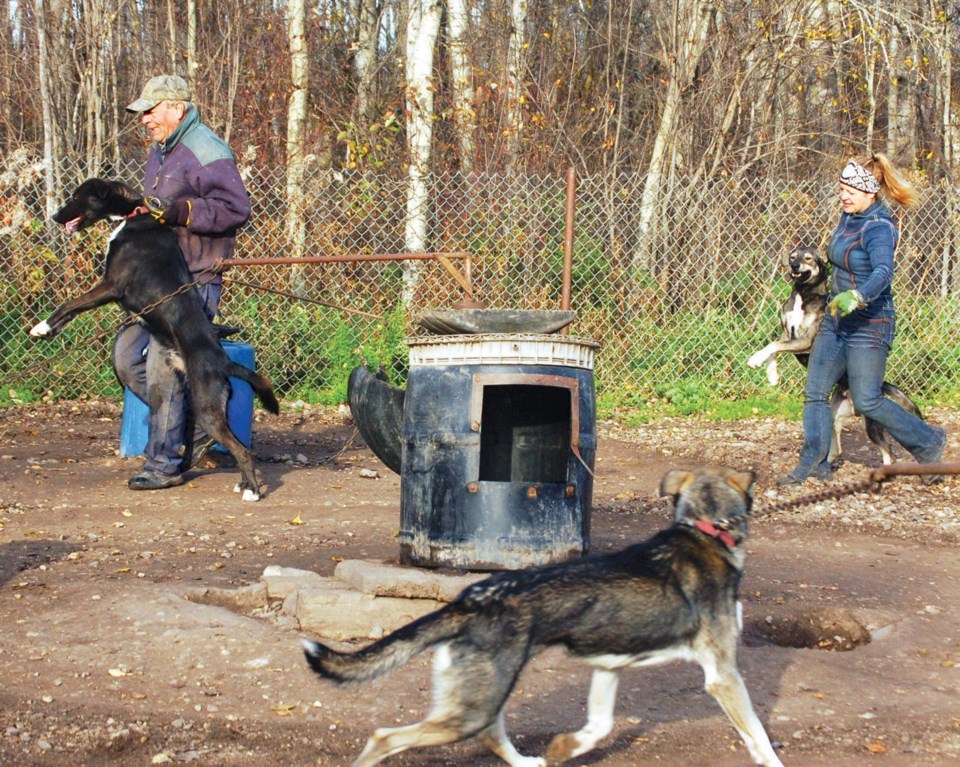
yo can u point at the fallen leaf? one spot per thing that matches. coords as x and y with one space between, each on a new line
876 748
296 520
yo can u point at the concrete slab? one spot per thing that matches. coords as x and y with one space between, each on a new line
385 580
347 614
281 581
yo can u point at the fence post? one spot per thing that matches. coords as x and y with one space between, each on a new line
568 242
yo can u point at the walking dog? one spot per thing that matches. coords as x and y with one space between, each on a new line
800 318
146 274
673 597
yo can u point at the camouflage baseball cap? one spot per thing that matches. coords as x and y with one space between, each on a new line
161 88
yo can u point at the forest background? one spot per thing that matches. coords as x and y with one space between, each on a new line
698 141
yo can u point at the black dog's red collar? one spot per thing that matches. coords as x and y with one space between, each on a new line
137 211
708 528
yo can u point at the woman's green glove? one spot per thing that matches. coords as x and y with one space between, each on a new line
846 302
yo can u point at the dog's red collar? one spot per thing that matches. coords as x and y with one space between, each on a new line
138 210
708 528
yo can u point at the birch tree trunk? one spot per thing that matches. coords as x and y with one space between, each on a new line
365 62
516 66
172 31
423 27
902 96
465 116
192 63
950 264
51 159
947 125
6 59
296 121
893 95
688 32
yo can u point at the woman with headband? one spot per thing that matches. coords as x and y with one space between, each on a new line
856 334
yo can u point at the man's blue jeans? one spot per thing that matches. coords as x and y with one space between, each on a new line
861 354
148 370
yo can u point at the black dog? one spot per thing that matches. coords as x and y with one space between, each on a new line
800 318
144 267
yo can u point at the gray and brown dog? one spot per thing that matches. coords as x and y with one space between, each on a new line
800 318
673 597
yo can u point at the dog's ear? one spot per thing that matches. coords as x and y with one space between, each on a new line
125 191
742 481
676 481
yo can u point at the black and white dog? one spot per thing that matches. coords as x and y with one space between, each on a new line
145 270
800 318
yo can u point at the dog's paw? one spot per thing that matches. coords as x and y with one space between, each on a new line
757 359
248 494
773 374
41 330
563 747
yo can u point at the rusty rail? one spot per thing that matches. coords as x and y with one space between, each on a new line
464 279
871 484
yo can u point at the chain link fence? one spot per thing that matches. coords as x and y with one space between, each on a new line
678 306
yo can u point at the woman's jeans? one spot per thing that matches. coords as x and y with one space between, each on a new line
860 355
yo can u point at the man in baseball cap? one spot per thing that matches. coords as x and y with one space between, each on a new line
201 196
161 88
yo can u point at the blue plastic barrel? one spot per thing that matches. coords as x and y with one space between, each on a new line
134 426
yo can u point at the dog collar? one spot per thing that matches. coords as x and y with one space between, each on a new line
708 528
138 210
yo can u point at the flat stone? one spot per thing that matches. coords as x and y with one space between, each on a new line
383 580
291 600
281 581
342 615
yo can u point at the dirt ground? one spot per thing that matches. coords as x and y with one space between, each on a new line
104 662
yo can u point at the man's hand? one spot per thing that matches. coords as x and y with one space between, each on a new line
846 302
167 210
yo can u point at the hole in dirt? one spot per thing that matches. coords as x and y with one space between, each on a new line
838 630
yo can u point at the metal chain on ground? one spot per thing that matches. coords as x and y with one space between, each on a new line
871 484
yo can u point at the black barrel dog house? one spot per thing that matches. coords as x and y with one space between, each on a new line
498 447
494 440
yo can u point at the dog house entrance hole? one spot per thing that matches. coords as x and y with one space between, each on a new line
525 432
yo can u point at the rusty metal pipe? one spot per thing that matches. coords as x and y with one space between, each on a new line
913 470
567 285
231 262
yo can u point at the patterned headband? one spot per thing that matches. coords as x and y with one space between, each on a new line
858 177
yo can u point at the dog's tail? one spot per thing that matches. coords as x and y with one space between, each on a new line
261 385
894 393
388 653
